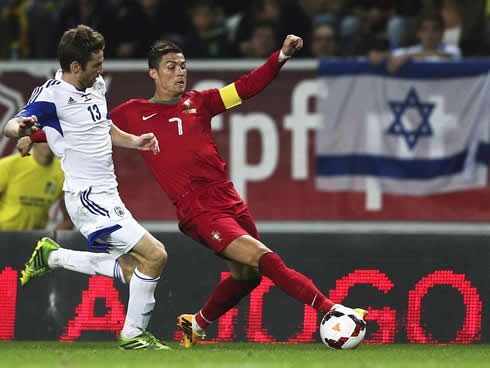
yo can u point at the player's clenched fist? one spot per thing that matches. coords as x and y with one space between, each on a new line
291 44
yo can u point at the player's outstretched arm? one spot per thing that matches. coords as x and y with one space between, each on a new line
21 126
254 82
144 142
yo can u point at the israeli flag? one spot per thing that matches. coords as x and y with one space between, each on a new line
422 131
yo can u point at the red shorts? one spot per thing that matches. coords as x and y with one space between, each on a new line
215 216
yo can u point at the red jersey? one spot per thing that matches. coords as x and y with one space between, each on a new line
188 158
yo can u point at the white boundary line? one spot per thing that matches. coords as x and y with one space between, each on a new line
349 227
43 67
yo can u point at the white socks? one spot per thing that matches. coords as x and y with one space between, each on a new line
141 287
86 262
140 304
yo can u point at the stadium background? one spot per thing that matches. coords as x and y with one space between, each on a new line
434 246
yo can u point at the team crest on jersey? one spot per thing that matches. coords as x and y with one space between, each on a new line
188 110
99 87
215 235
119 211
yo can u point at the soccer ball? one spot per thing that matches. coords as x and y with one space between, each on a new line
342 328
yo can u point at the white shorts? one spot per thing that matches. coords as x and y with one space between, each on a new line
104 220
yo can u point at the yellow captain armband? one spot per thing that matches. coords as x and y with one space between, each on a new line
229 95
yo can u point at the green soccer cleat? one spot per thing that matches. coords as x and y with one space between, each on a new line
38 264
145 341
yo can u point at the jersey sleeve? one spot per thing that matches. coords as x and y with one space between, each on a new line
212 101
43 106
247 86
251 84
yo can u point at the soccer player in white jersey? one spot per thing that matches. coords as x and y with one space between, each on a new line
72 111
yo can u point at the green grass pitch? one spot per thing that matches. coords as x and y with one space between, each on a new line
23 354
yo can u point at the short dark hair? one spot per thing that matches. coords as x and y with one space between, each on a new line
430 16
78 44
159 49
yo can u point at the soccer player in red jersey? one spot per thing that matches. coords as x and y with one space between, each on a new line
192 174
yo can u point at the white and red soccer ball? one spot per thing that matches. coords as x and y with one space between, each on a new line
342 328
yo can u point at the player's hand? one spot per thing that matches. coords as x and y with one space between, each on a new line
148 142
27 125
291 44
24 146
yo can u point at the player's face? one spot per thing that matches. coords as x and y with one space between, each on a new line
172 75
93 69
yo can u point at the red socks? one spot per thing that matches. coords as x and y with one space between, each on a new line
229 292
225 296
293 283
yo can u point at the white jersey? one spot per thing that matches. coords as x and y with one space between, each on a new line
77 125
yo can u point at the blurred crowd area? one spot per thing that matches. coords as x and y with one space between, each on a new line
30 29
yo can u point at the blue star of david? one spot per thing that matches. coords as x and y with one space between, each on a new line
425 110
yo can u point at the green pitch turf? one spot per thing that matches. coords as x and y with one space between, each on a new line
15 354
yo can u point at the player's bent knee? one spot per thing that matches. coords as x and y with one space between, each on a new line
259 256
154 256
159 254
246 250
253 258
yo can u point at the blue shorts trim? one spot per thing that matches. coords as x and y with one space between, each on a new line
92 238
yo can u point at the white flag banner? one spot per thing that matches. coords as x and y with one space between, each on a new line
421 131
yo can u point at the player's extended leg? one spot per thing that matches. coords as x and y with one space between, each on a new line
49 255
151 257
252 252
226 295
